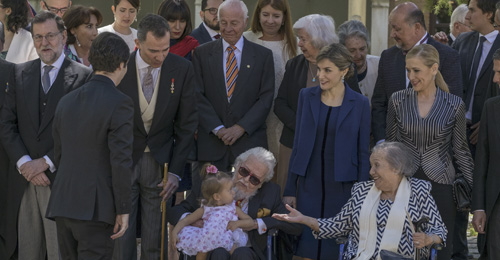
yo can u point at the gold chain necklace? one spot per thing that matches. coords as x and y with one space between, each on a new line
312 75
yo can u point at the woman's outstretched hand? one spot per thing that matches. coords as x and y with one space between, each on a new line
294 216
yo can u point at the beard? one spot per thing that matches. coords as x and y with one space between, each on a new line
241 194
214 25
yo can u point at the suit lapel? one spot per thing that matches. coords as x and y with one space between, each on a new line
400 70
489 57
130 88
346 107
315 102
164 92
31 84
253 205
246 66
63 84
216 55
470 57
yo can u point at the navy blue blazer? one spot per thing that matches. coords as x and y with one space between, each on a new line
352 139
201 34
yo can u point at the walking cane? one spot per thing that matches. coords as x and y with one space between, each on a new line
163 209
419 224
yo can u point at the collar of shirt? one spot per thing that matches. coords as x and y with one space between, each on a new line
239 44
490 37
210 31
452 36
142 66
422 40
53 72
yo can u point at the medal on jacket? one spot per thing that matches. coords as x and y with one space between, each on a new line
172 86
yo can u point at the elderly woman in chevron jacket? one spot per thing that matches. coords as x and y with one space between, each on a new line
380 214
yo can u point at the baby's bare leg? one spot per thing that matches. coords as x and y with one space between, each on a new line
201 256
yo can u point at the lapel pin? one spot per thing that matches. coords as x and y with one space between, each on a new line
172 86
248 66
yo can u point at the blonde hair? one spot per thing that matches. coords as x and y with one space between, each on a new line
212 183
429 56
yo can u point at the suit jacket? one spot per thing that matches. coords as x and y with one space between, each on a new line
201 34
175 116
22 131
391 78
352 137
450 40
466 44
486 191
250 104
285 104
268 196
347 221
6 75
93 136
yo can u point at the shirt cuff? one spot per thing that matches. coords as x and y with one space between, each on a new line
262 226
217 129
478 210
184 215
26 158
52 167
179 178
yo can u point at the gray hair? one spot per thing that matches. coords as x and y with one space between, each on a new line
242 5
353 28
398 156
458 15
321 28
496 55
262 155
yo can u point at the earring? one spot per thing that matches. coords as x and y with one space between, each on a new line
78 42
342 78
135 19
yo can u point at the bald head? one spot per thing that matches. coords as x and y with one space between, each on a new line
407 25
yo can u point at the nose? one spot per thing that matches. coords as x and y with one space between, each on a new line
393 33
177 24
467 16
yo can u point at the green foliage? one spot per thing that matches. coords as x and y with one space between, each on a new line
438 6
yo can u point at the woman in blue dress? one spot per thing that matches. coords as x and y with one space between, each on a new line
330 151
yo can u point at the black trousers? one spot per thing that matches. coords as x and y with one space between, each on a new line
82 239
492 249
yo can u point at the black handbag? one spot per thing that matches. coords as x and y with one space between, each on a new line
462 193
389 255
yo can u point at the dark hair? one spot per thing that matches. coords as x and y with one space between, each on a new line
18 17
78 15
204 4
135 3
416 16
173 10
212 183
488 6
338 55
286 28
153 23
496 55
43 16
107 52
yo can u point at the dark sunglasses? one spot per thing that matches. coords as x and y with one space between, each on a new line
244 172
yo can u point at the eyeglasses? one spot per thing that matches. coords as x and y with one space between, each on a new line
244 172
212 11
49 37
56 10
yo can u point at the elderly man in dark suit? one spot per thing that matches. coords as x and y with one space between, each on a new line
209 29
260 163
162 87
486 191
408 29
236 84
6 73
26 132
92 131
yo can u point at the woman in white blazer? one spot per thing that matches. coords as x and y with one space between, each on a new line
18 46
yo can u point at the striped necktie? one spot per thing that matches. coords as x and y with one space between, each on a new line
231 71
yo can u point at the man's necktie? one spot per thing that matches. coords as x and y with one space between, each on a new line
473 72
148 85
217 36
231 71
46 78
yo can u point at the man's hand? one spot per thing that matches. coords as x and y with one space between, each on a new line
170 188
292 201
475 133
232 134
221 132
479 221
121 223
32 168
441 37
41 180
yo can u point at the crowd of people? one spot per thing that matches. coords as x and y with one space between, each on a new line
293 126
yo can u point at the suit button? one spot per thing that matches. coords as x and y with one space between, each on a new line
44 103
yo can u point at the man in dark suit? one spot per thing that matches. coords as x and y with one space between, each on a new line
93 136
165 119
236 85
6 73
476 49
408 29
260 163
26 132
209 29
486 191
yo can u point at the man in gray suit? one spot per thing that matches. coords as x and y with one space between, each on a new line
26 132
236 85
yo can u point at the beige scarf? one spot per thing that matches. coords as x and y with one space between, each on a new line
395 221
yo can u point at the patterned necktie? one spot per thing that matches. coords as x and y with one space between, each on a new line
231 71
148 85
217 36
46 78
